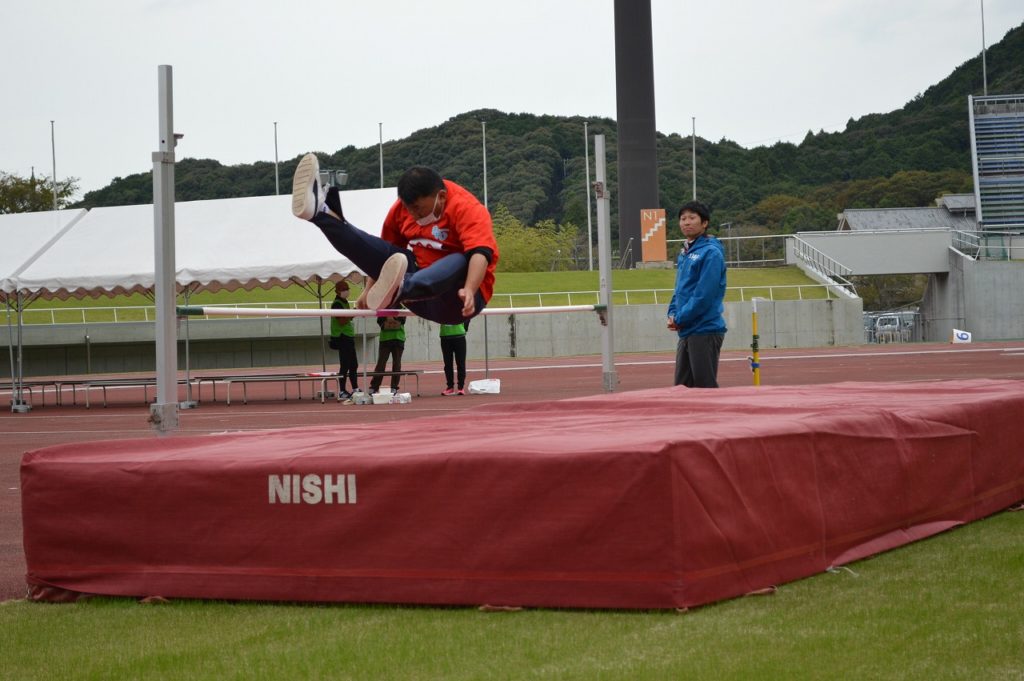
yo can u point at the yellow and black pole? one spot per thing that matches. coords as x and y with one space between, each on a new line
755 359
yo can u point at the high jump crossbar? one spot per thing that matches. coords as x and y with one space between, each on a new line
213 311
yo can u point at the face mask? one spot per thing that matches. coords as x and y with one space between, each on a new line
430 219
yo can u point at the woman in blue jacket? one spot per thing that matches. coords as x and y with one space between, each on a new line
695 313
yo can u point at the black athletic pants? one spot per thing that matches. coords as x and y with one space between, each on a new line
697 360
348 363
453 349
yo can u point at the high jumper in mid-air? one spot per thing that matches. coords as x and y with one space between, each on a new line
436 254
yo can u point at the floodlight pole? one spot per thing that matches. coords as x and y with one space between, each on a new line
277 176
483 128
164 414
53 151
693 152
590 231
984 70
604 257
380 147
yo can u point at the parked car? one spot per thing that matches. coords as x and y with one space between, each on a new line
891 328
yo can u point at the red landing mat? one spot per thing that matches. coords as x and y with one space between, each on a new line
651 499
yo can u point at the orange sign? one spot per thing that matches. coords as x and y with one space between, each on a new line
652 234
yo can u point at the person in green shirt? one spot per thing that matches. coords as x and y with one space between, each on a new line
453 350
391 344
343 340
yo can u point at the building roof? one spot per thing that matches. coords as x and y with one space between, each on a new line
881 219
956 202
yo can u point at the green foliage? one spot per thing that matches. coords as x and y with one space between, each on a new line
543 247
536 168
30 195
890 291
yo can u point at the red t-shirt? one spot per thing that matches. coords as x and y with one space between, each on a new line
464 225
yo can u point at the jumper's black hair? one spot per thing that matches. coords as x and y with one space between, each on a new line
417 182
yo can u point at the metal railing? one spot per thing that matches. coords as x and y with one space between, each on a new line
990 244
824 265
147 313
123 314
759 250
661 296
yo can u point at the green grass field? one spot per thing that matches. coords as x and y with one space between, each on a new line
515 289
950 607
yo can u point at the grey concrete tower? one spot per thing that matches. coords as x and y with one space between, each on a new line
634 94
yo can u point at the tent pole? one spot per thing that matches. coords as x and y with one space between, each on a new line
320 304
10 343
324 392
365 386
10 336
189 403
18 403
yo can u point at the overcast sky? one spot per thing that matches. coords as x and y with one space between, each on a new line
328 73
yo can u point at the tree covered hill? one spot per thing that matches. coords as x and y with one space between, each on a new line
535 163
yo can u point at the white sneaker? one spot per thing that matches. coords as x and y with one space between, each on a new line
307 194
389 284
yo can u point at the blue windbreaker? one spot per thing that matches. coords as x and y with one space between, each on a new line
696 304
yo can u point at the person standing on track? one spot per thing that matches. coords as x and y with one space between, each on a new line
453 351
695 312
391 343
436 254
343 340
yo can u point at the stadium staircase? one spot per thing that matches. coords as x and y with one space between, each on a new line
997 155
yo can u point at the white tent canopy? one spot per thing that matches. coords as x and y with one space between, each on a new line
243 243
25 236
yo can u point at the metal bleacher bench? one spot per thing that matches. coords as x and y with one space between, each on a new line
298 379
87 384
30 386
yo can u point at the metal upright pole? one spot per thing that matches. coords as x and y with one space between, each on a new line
693 152
590 231
755 345
604 256
53 151
277 176
164 414
483 125
380 134
984 70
